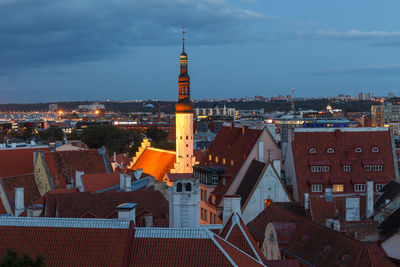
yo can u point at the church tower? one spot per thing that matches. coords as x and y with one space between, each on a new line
184 119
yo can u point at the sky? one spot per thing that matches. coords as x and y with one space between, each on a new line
75 50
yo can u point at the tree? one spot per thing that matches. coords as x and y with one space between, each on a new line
113 138
159 138
55 133
11 259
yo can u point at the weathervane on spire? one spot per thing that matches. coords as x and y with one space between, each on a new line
183 37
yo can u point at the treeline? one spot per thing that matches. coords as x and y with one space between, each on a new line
169 106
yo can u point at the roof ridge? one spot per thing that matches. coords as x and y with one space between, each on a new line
212 237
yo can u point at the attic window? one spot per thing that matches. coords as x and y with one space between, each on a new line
209 157
330 150
312 151
223 161
216 159
358 150
232 162
375 149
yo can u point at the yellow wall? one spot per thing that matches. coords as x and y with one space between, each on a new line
41 177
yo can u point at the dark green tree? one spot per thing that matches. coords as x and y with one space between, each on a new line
159 138
12 259
113 138
54 133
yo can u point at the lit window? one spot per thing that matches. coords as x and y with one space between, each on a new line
379 186
325 168
216 159
209 157
338 188
330 150
267 202
316 188
359 187
312 151
367 168
375 149
358 150
223 161
231 162
315 168
347 168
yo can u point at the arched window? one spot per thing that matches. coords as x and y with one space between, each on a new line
330 150
209 157
188 187
312 150
223 161
358 150
179 187
375 149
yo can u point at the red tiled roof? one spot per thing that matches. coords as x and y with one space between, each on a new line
344 143
2 208
99 181
231 143
236 233
103 205
250 180
17 161
66 246
31 192
283 263
63 164
199 154
156 162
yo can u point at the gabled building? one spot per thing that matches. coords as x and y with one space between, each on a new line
55 170
102 242
223 167
339 160
283 230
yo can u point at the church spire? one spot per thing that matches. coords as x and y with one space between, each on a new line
183 39
184 79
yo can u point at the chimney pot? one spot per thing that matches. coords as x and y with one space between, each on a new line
19 200
231 205
127 211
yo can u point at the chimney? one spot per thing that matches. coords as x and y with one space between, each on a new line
148 220
18 201
138 173
33 143
127 211
261 151
79 181
306 201
52 146
369 211
128 182
115 156
231 205
336 225
122 181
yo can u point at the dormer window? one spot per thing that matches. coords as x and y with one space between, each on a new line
358 150
223 161
375 149
216 159
209 157
330 150
312 151
232 162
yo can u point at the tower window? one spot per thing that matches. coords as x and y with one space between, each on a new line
187 137
179 187
188 187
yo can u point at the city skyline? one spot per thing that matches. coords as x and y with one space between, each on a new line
91 50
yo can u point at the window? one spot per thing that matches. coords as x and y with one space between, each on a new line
231 162
209 157
367 168
187 137
205 215
202 213
315 168
188 187
325 168
179 187
377 168
312 151
316 188
201 194
215 179
223 161
375 149
359 187
338 188
379 186
347 168
211 218
205 195
330 150
216 159
358 150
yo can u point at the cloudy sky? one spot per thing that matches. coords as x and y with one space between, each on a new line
128 49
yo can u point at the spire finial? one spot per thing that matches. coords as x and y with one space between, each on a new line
183 38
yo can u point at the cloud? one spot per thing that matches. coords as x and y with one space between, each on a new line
42 32
372 69
348 35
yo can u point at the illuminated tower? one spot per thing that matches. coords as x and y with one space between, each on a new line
184 119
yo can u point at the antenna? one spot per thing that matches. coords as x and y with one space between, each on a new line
183 38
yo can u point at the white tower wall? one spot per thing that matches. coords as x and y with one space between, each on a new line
184 142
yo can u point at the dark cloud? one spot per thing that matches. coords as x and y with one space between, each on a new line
42 32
